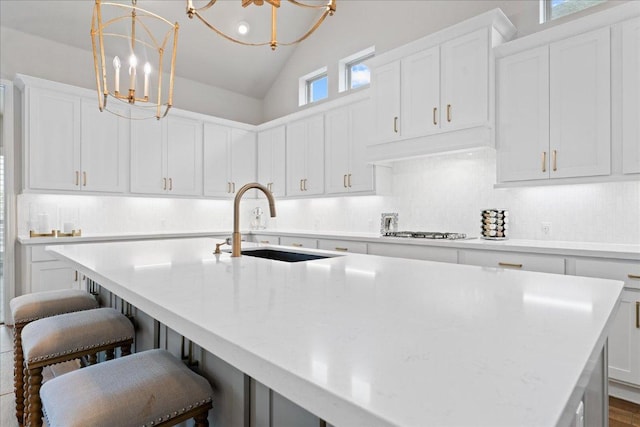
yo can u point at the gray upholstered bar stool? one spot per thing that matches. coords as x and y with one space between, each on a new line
66 337
38 305
151 388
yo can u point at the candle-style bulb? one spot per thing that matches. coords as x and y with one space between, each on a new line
116 63
133 62
147 69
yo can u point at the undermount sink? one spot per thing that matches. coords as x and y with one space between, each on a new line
283 255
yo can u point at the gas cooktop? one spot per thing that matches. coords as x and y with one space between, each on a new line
426 235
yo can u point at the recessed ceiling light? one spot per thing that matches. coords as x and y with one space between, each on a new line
243 28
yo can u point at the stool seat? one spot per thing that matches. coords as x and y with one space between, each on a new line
30 307
144 389
53 337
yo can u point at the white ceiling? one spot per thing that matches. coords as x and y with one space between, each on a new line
203 56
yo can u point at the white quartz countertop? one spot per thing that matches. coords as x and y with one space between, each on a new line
362 340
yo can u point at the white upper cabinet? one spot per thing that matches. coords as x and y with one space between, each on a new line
580 106
305 156
346 169
441 88
166 156
70 145
631 96
271 160
553 110
464 80
229 159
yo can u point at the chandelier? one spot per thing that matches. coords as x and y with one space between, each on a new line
329 9
139 36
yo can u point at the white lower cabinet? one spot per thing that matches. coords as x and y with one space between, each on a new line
342 246
299 242
624 339
428 253
46 273
514 260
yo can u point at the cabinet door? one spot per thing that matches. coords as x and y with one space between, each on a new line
243 158
148 157
217 160
296 155
53 275
580 130
631 96
314 161
465 80
53 135
337 147
184 156
271 160
624 340
361 172
385 86
105 138
523 116
420 93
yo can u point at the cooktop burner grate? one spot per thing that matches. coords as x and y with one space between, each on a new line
426 235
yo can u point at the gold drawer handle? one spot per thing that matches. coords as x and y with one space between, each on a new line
297 245
633 276
508 264
264 241
342 249
544 161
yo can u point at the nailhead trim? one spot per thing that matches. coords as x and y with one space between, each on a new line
179 412
75 350
32 319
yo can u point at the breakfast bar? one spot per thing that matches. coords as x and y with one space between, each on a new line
364 340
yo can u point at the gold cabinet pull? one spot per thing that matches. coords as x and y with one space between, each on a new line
84 179
164 183
638 314
349 180
449 112
435 112
228 187
344 181
77 177
233 187
76 279
297 245
301 186
304 184
544 161
342 249
170 184
395 124
264 241
633 276
555 160
508 264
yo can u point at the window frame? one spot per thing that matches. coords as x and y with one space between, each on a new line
546 14
304 86
345 65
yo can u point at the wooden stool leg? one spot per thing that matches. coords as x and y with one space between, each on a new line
18 371
125 350
201 419
35 406
111 354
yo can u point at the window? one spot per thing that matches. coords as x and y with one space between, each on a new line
313 87
353 72
553 9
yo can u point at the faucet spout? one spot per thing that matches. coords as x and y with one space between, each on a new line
236 249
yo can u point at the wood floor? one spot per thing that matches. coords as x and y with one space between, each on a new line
621 412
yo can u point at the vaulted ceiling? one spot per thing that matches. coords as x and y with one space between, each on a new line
203 56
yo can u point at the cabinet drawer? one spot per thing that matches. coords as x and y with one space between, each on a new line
266 240
428 253
299 242
39 254
514 260
343 246
627 271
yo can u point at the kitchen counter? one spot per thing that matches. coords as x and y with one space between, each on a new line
362 340
32 241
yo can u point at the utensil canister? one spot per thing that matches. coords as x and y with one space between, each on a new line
494 224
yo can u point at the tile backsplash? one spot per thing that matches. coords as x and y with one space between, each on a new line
443 193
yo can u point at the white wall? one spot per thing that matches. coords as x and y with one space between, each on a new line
35 56
387 25
441 193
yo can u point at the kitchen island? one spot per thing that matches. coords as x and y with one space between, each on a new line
362 340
